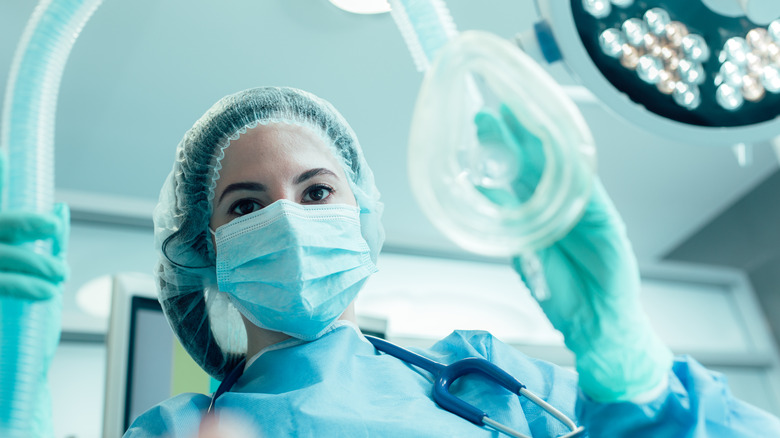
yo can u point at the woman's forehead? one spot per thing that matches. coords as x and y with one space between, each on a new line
278 145
286 136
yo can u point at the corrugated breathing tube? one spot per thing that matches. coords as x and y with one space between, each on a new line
30 330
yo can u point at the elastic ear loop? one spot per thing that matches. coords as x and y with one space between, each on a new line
164 250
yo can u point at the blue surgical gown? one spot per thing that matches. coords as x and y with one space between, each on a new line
339 385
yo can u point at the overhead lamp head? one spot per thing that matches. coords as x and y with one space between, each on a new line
676 68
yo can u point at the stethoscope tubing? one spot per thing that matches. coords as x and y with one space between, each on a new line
444 376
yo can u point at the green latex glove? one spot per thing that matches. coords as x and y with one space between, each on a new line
23 272
506 139
593 282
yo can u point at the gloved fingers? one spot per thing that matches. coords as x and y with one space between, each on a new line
23 260
505 128
521 134
515 149
565 298
489 126
26 287
531 149
596 252
23 226
599 248
60 244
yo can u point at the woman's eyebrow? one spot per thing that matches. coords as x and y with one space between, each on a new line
253 186
312 173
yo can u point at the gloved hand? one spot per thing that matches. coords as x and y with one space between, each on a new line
593 282
23 272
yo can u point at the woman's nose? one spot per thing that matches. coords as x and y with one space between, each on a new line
279 193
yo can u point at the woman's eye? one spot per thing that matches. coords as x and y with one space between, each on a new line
245 206
317 193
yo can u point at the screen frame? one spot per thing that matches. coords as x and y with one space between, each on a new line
125 287
137 303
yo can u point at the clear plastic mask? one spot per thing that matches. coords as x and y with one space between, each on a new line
494 197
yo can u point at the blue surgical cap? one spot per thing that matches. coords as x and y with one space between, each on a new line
203 319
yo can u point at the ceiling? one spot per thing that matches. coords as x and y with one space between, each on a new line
143 71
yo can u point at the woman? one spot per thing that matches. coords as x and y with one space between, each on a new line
268 226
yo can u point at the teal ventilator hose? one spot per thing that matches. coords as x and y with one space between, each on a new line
426 26
30 330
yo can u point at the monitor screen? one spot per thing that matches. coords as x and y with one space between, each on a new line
146 363
158 366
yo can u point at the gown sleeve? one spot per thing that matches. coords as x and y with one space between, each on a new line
177 417
697 403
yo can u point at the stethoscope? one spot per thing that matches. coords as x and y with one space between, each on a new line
444 376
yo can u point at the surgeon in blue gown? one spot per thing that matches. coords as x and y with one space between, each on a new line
269 225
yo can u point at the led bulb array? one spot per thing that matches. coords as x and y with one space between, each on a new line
665 53
749 67
662 52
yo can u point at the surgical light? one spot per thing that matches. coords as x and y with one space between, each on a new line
690 71
675 32
687 95
752 88
630 57
611 41
666 83
635 30
729 97
774 30
657 19
681 69
623 3
759 39
648 68
731 74
695 47
736 50
770 77
597 8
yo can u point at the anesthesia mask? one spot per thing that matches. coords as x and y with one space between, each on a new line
500 159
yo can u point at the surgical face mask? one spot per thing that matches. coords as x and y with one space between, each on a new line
293 268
